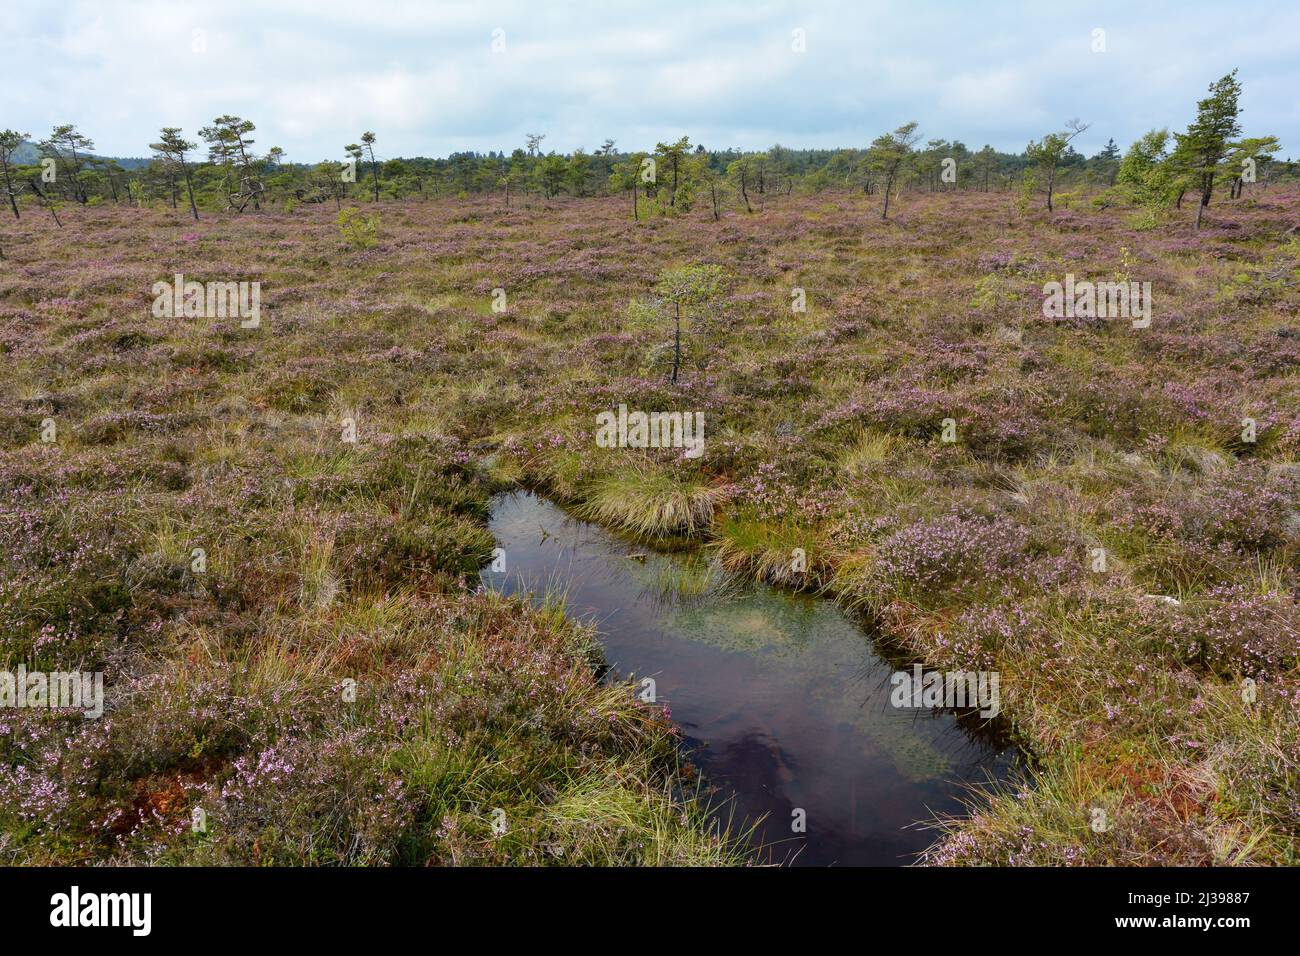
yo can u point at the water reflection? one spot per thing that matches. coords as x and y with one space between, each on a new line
783 700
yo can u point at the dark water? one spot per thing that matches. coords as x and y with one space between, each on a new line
782 700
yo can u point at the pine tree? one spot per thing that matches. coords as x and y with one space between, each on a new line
888 154
172 147
1205 144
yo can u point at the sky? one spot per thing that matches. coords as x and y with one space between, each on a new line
430 78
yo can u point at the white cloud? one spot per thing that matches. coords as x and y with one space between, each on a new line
314 73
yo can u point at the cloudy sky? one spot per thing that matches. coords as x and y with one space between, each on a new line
442 75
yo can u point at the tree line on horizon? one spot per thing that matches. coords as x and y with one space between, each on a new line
1157 171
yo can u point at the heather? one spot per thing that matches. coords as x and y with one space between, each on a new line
1160 685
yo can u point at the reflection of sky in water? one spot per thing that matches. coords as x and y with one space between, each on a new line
782 699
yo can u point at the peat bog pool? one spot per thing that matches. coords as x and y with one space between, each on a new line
783 701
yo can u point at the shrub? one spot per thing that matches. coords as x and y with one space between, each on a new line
1234 631
958 554
358 231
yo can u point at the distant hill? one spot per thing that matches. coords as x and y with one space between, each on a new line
28 154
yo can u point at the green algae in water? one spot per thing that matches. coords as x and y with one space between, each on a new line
781 700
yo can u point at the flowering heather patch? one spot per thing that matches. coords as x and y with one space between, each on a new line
948 557
977 636
1247 508
1234 631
